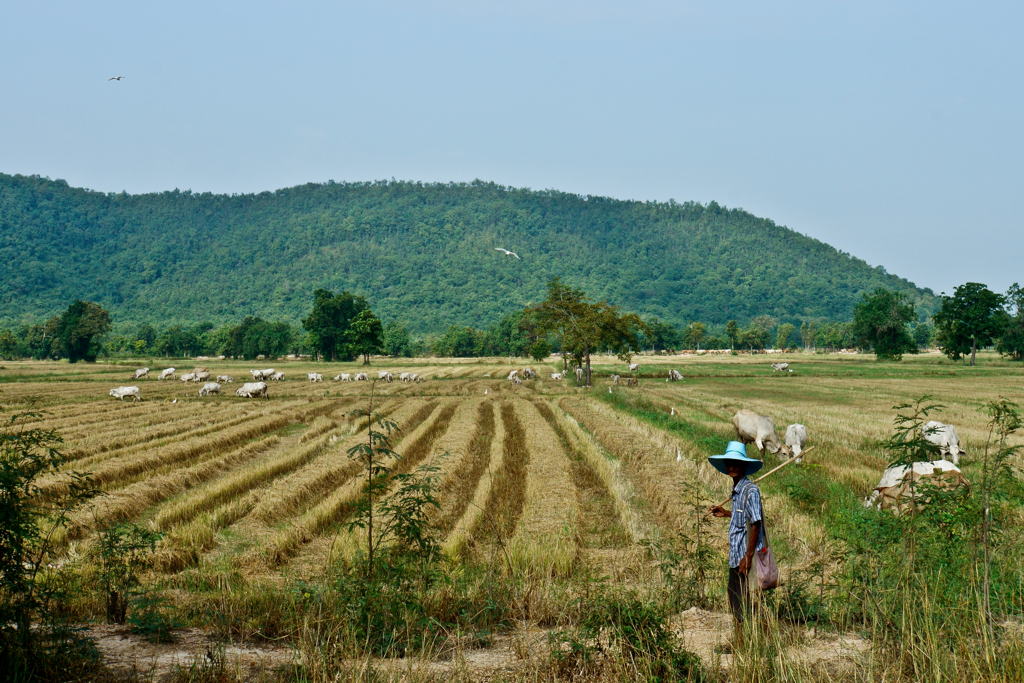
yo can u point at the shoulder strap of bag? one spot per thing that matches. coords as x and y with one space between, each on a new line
746 517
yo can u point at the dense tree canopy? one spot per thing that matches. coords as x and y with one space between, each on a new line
419 253
881 323
78 330
970 319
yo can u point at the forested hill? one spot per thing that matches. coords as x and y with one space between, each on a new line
422 253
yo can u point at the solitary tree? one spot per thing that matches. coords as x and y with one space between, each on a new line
732 331
973 317
697 332
78 330
586 326
880 323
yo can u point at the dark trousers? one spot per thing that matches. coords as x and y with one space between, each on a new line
739 593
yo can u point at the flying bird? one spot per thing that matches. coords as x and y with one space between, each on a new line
115 78
508 253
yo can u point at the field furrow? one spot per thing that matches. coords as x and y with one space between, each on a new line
459 486
490 462
507 495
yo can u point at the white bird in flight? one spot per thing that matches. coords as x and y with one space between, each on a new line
115 78
508 253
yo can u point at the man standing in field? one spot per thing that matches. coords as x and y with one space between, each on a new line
746 535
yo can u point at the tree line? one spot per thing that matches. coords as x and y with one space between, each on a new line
342 327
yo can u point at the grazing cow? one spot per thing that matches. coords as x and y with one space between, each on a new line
253 390
517 380
528 373
675 376
315 377
121 392
404 376
556 375
513 376
268 373
796 439
225 378
140 373
343 377
579 374
257 375
760 431
632 382
210 388
415 377
277 376
167 372
362 377
188 377
780 367
385 375
634 367
945 437
615 380
201 376
196 371
896 488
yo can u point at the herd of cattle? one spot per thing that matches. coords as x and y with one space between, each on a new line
255 389
892 491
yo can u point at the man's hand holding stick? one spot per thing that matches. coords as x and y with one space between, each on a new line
719 511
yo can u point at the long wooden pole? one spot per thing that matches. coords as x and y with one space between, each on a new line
771 472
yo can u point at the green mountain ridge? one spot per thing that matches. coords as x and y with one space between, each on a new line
421 253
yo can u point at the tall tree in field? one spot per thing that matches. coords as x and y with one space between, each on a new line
365 335
973 317
328 322
732 331
78 330
880 322
587 326
697 332
1011 342
785 330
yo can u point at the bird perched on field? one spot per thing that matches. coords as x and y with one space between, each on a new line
174 401
485 392
507 252
115 78
609 390
679 455
673 410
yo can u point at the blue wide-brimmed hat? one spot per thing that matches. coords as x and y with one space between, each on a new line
735 451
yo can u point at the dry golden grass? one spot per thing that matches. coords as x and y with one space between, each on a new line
472 518
545 542
459 487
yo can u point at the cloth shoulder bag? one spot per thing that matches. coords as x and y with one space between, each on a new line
767 570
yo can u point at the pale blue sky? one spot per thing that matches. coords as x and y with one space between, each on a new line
890 130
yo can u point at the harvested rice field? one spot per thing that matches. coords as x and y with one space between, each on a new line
546 483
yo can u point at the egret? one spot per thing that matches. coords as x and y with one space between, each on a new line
507 252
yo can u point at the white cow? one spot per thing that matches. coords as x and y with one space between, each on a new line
362 377
121 392
634 367
517 380
404 376
257 375
188 377
945 437
167 372
277 377
528 373
385 375
760 431
615 380
140 373
225 378
796 439
780 367
513 376
201 376
579 374
675 376
343 377
210 388
415 377
897 483
252 390
556 375
315 377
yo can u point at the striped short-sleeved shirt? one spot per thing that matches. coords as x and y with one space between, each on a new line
741 514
